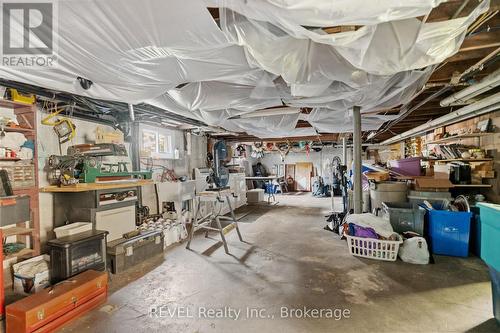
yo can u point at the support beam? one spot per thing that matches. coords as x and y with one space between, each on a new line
344 150
356 134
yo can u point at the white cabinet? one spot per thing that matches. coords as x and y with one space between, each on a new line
116 221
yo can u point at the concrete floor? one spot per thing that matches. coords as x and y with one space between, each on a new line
288 261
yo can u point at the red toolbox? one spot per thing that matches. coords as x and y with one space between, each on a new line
50 308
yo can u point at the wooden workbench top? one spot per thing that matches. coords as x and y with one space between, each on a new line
83 187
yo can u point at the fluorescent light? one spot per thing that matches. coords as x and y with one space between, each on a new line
371 135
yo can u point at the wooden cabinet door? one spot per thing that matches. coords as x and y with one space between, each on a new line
303 172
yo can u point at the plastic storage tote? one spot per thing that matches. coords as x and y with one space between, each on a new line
418 197
404 216
489 215
495 290
387 192
449 232
408 166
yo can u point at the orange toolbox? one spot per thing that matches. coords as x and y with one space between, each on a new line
50 308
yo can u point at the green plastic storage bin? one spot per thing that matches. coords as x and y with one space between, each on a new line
489 216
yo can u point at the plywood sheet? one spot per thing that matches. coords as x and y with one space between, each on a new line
303 173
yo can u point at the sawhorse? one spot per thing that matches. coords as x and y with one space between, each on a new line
205 222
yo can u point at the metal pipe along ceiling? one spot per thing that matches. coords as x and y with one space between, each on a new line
486 105
488 83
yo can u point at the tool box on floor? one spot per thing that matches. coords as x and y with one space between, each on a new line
125 253
50 308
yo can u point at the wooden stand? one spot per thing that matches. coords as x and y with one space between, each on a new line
207 221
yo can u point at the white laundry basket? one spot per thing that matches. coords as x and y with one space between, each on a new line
373 248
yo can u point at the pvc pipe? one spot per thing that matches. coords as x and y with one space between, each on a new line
131 112
485 105
488 83
356 134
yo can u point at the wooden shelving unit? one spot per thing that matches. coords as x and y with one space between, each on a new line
458 137
27 118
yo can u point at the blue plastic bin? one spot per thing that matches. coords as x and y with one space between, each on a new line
495 290
449 232
489 215
271 188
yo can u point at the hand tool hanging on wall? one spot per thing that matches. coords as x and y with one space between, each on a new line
64 128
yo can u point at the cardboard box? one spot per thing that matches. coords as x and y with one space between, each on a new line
32 275
377 176
442 171
432 184
481 166
485 174
255 195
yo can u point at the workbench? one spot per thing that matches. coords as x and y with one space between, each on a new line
108 206
83 187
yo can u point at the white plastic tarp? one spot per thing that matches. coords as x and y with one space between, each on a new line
135 50
326 120
328 13
266 53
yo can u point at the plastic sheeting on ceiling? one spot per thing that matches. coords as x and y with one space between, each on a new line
267 53
135 50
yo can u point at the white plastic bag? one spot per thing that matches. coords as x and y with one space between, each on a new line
414 251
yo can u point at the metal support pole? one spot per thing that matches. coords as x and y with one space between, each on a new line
344 151
358 192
